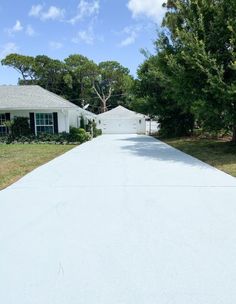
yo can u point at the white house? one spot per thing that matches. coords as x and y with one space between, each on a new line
121 121
46 111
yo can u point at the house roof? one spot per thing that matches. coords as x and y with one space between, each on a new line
120 112
31 97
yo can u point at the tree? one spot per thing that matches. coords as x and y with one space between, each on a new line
22 64
111 80
200 67
193 73
40 70
79 78
154 98
49 73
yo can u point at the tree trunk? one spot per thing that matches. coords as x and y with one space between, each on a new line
234 135
104 106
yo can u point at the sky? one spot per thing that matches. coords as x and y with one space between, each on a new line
99 29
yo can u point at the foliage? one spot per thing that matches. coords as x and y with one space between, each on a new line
41 138
19 127
76 78
96 132
193 71
22 64
112 82
154 99
78 135
75 136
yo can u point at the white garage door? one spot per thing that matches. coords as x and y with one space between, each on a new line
119 126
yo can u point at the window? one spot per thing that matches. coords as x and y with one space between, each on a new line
44 123
3 128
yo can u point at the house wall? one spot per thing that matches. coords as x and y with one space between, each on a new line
75 117
142 126
63 116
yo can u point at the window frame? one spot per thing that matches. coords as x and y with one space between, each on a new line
2 121
44 124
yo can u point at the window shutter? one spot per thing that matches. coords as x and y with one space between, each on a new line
8 116
55 122
32 123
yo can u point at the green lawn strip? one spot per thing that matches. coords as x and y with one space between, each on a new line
19 159
218 153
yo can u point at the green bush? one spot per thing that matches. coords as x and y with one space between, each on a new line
97 132
58 138
76 135
79 135
18 127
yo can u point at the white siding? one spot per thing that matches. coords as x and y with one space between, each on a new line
63 117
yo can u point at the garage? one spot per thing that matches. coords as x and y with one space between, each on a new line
121 121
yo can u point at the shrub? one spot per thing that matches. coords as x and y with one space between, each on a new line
97 132
78 135
58 138
20 127
75 136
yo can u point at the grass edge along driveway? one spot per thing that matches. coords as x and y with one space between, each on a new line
217 153
19 159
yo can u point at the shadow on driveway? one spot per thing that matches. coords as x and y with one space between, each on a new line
149 147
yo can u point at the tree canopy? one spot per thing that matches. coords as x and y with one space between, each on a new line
194 66
76 78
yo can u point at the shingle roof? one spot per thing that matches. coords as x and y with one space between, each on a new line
31 97
120 112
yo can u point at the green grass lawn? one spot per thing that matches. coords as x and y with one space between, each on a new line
218 153
19 159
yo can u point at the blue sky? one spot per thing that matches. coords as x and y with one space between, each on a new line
99 29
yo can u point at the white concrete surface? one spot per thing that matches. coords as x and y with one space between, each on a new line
120 220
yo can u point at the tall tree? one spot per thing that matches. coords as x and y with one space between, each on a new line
22 64
154 98
201 66
80 77
112 80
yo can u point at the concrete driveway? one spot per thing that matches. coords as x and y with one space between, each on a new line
123 219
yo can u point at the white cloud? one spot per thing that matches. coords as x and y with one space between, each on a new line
86 36
16 28
131 33
55 45
86 9
36 10
53 12
150 8
8 48
30 31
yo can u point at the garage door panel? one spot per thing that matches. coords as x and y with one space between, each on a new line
119 126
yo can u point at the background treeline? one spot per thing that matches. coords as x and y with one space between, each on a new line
189 83
76 78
